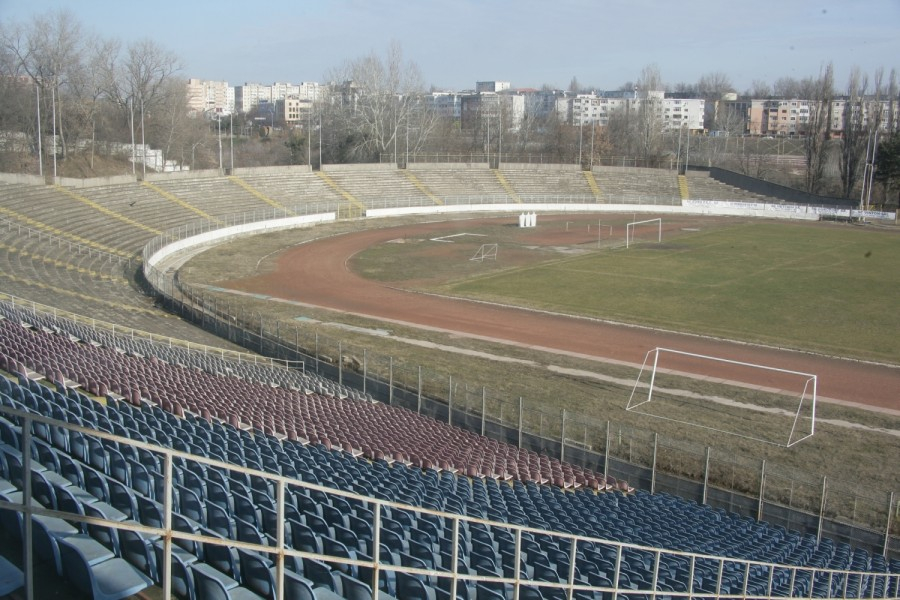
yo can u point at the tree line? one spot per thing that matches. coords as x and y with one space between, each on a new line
90 97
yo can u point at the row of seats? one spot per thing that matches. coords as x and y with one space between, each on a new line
377 430
243 509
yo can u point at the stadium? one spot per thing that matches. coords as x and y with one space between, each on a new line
286 383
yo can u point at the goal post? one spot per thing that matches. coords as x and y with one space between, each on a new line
631 227
486 252
758 402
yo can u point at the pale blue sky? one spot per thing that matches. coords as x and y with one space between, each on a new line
457 42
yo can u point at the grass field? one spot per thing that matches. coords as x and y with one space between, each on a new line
824 288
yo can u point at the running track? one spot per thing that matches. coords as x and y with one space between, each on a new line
317 274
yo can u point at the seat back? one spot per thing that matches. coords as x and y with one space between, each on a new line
75 568
138 550
182 576
257 573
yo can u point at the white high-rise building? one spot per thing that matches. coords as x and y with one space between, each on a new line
210 96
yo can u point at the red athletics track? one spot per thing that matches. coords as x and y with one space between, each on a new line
317 274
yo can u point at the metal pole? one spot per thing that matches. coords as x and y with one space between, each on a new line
606 455
653 466
562 438
231 136
762 491
365 370
419 405
483 408
887 530
143 142
317 352
706 476
450 403
521 419
391 382
822 509
340 363
53 106
37 90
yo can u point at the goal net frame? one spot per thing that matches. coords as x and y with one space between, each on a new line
807 395
486 252
629 231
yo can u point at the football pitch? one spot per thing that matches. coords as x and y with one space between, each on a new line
818 287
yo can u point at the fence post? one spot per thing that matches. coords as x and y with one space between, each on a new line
450 402
340 362
606 454
521 419
706 476
391 383
483 408
261 330
822 508
762 490
653 466
365 370
562 438
887 530
317 352
419 404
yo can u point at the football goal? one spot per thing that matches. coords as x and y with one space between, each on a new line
486 252
643 231
757 402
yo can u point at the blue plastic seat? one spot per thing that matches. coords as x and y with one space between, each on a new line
11 576
111 579
137 549
183 585
214 585
354 589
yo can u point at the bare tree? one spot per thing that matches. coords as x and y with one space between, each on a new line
49 52
819 93
382 103
649 123
853 139
759 89
714 85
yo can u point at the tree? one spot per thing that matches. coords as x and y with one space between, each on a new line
714 85
819 94
380 100
854 141
49 52
759 89
887 167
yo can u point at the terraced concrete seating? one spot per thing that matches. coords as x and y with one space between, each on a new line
139 203
458 181
546 182
53 210
638 185
703 187
293 188
373 187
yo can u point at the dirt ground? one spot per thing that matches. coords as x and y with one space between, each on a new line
318 274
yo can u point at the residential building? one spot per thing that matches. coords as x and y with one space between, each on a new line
205 96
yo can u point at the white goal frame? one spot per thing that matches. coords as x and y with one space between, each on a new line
808 393
486 252
629 230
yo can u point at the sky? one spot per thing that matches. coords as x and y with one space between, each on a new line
602 43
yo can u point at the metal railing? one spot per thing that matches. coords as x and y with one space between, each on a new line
756 579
